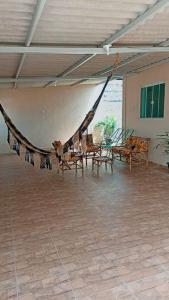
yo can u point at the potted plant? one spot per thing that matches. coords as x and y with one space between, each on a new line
107 125
164 143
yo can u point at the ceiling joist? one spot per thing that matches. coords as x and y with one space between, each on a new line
79 51
52 78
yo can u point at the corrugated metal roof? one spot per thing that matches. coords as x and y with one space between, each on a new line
8 64
85 21
153 31
39 65
143 62
98 63
15 19
79 23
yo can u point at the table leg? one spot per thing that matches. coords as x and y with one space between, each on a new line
98 166
92 163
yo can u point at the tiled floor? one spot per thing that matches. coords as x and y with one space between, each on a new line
67 237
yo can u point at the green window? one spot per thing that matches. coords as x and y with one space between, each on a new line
152 101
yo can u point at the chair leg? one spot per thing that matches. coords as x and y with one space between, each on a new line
62 167
130 163
86 159
147 159
112 166
92 163
98 166
82 165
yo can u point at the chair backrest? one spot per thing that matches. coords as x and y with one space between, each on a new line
139 144
116 133
126 134
117 136
87 140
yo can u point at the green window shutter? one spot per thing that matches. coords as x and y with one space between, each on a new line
143 103
149 102
161 100
152 101
156 94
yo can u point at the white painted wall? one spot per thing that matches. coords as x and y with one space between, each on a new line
46 114
147 127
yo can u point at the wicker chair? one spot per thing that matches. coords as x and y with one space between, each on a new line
70 160
89 149
135 150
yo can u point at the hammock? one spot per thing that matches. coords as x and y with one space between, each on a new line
41 157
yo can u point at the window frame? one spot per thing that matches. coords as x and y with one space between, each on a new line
143 102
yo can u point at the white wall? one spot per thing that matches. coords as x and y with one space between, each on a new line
147 127
46 114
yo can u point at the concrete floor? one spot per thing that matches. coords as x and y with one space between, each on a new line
67 237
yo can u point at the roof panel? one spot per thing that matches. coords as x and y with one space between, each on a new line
39 65
81 22
85 21
15 19
8 64
153 31
143 62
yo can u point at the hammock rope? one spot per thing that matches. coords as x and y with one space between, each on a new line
17 140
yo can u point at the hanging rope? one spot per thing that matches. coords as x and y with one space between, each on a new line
116 61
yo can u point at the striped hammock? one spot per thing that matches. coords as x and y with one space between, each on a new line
40 157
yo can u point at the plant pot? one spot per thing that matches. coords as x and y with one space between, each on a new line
168 164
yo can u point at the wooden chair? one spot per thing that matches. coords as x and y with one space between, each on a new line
70 160
135 150
89 149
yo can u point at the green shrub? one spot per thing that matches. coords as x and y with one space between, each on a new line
108 124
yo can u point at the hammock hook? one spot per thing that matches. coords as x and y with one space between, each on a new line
107 48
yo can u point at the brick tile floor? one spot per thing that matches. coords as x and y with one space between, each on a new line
91 238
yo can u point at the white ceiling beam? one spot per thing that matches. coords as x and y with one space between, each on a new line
36 16
149 12
79 51
50 78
